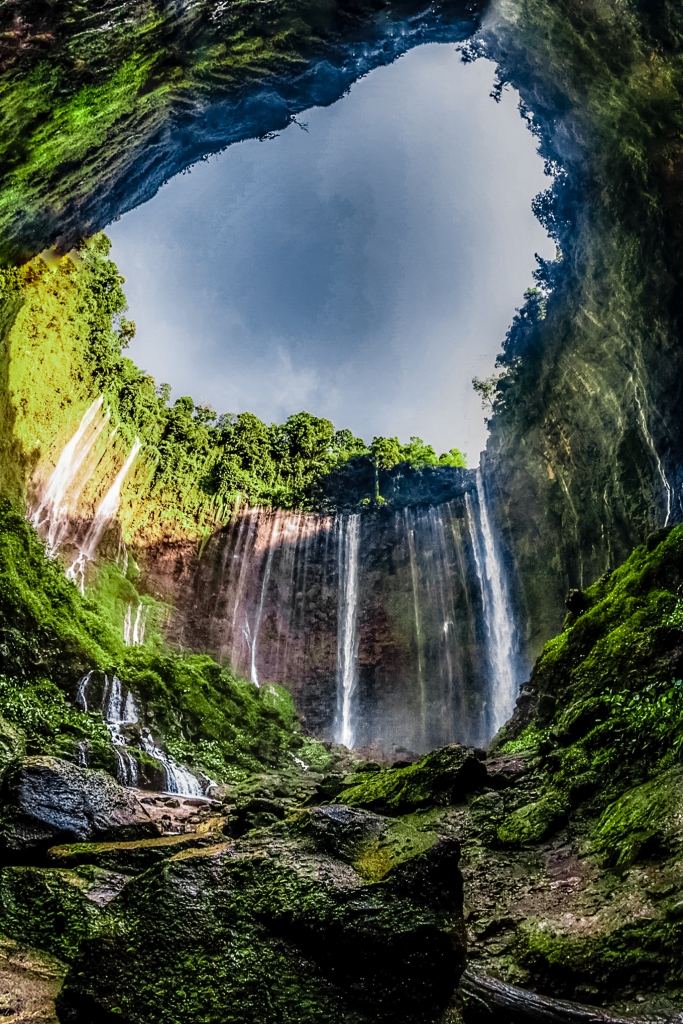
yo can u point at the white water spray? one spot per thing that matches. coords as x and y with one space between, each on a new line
264 587
104 514
497 613
410 533
347 629
61 487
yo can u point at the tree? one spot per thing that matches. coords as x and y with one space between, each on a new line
386 452
454 457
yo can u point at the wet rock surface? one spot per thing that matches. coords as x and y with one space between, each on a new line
29 982
441 777
47 799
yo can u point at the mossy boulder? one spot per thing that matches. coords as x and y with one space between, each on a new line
47 799
647 819
54 909
442 777
533 821
284 926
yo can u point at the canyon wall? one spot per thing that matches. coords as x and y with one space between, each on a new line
393 629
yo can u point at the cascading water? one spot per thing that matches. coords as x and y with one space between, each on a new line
253 635
104 514
499 620
82 692
66 482
276 594
410 534
348 540
134 628
118 713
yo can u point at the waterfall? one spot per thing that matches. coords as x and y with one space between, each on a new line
653 448
127 768
243 557
82 692
117 713
264 587
410 533
104 513
450 667
140 624
347 629
179 780
134 629
278 595
498 617
127 631
52 512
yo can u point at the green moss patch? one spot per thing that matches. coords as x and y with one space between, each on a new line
441 777
54 909
646 819
128 857
533 822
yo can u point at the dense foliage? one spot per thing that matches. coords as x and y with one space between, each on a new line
605 702
586 436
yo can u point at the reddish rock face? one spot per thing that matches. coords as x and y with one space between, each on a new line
270 595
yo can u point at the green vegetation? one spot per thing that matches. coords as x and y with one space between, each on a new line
65 346
50 636
607 696
586 392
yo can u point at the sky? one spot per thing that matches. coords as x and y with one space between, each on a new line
364 265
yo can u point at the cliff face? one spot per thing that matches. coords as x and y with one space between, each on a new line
586 444
382 625
585 451
103 104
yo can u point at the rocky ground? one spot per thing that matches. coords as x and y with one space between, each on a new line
285 908
298 896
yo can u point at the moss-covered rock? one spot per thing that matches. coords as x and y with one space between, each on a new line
441 777
12 746
646 820
533 821
285 925
54 909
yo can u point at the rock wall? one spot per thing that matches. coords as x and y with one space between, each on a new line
383 625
